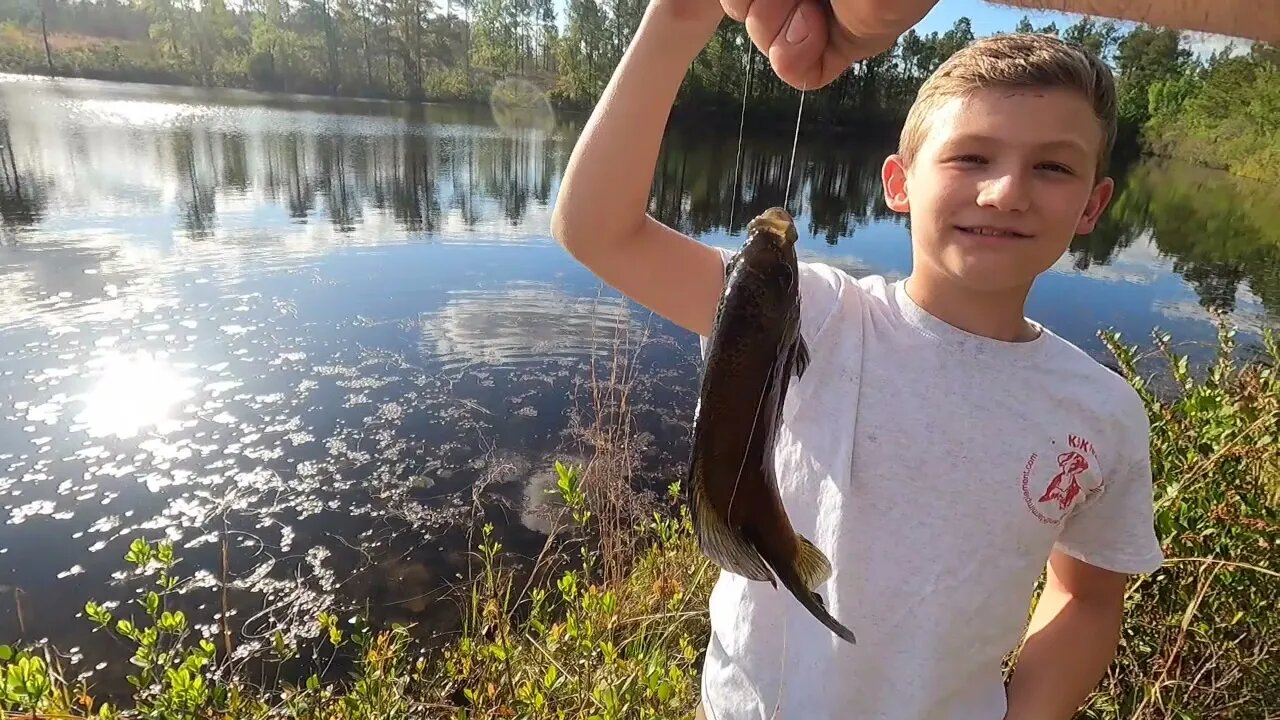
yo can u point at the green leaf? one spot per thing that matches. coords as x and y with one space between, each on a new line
6 653
139 552
665 692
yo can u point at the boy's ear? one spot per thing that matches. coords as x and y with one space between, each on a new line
893 174
1098 201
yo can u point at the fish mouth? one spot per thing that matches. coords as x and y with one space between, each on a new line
776 221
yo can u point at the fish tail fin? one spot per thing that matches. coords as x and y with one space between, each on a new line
811 564
795 579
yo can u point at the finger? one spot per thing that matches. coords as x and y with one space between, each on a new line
842 51
838 49
792 33
872 19
737 9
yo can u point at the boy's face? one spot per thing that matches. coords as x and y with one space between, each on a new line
1002 182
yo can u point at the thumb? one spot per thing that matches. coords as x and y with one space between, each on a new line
813 45
795 35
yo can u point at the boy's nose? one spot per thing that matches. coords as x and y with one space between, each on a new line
1005 191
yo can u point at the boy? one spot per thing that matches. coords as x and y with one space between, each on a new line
942 450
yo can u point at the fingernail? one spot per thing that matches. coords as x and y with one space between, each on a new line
797 29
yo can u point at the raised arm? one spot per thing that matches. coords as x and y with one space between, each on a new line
1253 19
601 212
812 42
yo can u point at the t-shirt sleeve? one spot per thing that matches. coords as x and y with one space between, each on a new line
1116 530
819 292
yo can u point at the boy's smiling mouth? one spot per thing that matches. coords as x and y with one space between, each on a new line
992 231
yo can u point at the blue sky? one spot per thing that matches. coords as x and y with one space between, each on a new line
988 18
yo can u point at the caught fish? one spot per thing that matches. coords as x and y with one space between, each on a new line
754 349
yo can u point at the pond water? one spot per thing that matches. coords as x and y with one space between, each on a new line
326 330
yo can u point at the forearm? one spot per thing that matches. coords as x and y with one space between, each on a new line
1070 642
1255 19
604 195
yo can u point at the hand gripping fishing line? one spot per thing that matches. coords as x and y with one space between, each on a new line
786 198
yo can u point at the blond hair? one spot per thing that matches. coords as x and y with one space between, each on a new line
1016 60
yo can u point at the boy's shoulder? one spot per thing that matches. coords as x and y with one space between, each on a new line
1098 388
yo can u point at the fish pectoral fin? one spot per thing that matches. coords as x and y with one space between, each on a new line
811 564
801 356
725 547
730 264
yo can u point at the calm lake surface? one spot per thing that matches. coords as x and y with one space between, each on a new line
315 326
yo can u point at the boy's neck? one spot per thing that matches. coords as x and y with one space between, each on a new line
999 315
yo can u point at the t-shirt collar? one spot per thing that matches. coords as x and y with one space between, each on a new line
963 340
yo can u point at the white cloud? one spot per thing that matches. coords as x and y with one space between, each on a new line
1204 44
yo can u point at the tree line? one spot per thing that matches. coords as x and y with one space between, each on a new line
1223 110
419 180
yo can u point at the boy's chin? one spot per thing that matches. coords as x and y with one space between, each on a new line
986 274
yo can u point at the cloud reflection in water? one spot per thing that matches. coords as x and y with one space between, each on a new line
523 322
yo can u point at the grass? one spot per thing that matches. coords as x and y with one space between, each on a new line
584 640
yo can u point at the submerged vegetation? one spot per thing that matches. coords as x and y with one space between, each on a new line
581 638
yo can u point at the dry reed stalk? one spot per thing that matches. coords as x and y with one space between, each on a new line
613 450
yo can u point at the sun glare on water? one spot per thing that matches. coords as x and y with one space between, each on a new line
134 393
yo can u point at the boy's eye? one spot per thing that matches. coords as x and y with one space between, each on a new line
968 159
1056 167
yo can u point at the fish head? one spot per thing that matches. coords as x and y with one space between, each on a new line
777 224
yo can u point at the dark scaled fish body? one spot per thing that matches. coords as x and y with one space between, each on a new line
754 350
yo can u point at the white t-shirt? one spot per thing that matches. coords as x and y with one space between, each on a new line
936 469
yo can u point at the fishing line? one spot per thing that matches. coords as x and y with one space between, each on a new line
742 116
746 82
794 142
782 673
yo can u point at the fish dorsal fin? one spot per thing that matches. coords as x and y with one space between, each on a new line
723 545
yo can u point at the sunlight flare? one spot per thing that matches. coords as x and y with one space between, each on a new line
134 392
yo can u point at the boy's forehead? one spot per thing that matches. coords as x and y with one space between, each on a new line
1024 116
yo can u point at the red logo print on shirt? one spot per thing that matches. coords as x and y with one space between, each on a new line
1075 477
1065 486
